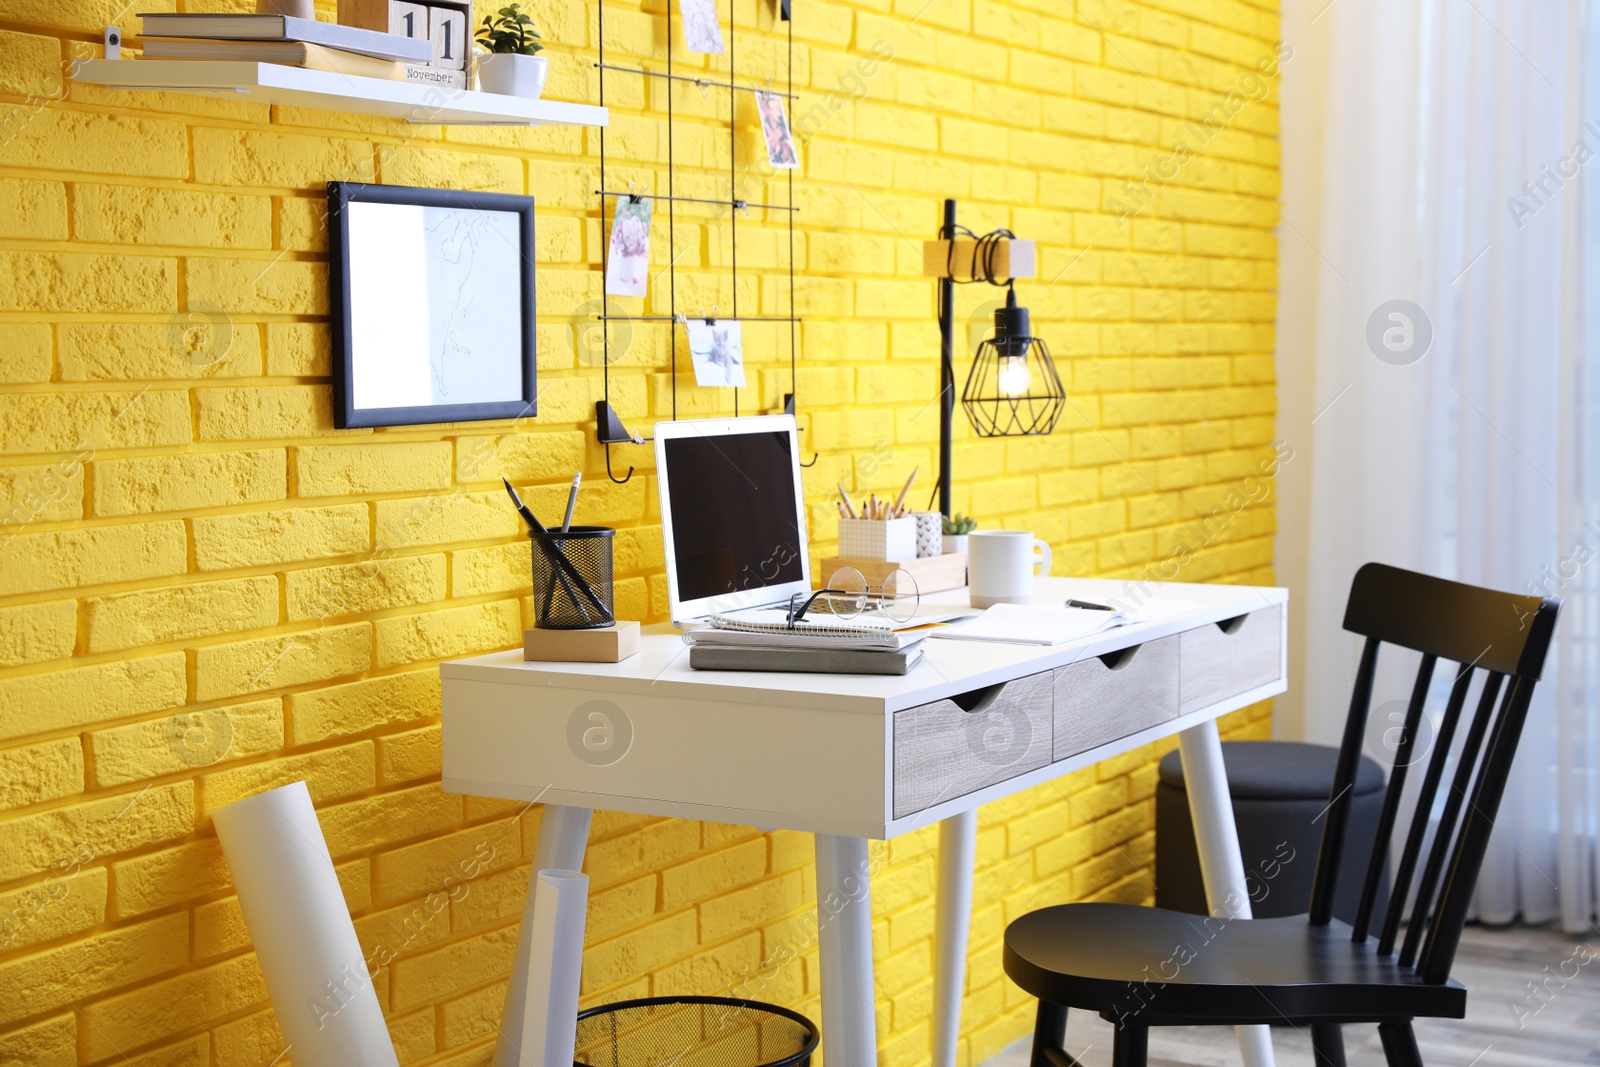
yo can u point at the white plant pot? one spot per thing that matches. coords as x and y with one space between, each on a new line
513 75
955 543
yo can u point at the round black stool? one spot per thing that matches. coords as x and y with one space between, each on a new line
1280 796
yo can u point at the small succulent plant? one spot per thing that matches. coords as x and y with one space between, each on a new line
509 32
958 525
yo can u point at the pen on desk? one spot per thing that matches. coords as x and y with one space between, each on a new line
1089 605
572 502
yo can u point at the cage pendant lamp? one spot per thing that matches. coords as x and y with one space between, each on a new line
1013 389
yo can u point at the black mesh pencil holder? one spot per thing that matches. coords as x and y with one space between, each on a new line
572 587
694 1032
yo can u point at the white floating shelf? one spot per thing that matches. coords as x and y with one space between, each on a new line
275 83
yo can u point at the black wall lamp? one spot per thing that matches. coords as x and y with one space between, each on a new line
1013 389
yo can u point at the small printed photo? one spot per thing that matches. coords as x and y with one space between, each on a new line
775 124
628 262
717 351
701 29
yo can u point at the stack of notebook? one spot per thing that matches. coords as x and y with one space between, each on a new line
290 41
764 640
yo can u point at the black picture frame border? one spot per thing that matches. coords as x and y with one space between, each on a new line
345 415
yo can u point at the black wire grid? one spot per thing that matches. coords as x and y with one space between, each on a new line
607 422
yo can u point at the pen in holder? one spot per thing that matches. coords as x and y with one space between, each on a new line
579 596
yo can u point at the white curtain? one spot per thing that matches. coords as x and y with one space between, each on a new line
1439 355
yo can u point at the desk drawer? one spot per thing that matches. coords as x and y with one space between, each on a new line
950 748
1103 698
1220 660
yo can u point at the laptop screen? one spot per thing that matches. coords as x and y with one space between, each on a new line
735 527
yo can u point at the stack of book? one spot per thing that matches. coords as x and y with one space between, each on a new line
293 42
765 640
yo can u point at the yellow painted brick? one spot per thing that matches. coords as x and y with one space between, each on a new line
281 286
36 773
341 470
642 951
426 167
442 972
375 822
267 537
298 349
445 518
251 159
60 976
276 662
51 1043
74 422
85 695
131 620
253 412
342 710
31 633
409 756
203 345
494 569
182 483
186 741
372 585
248 1042
31 210
329 774
722 870
159 1009
219 929
105 213
30 66
449 633
50 493
64 904
98 143
67 837
78 282
473 1016
161 879
27 348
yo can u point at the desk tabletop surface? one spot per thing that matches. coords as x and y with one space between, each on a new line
947 668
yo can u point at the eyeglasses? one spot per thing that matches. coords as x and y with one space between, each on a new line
848 596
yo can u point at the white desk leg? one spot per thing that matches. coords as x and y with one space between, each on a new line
563 836
1217 839
844 942
958 848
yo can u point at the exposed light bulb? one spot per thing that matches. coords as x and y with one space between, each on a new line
1014 377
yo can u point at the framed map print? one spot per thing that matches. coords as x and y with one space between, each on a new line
433 309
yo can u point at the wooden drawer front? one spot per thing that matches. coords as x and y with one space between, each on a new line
1219 662
942 750
1101 699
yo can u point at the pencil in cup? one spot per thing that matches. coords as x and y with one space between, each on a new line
586 552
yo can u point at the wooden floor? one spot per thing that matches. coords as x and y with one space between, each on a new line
1495 964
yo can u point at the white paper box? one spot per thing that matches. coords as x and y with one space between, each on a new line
894 539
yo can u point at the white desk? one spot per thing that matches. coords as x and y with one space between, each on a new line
852 758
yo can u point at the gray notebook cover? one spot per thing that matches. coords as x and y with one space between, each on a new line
804 660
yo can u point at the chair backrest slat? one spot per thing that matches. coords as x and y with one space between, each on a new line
1508 636
1420 816
1444 933
1344 781
1466 763
1391 798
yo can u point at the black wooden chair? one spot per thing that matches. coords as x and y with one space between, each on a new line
1142 967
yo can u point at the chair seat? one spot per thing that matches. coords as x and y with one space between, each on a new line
1170 968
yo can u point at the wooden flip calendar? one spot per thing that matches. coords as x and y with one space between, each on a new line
445 23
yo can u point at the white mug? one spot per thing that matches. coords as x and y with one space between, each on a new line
1001 566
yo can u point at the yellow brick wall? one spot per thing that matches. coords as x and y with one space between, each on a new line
205 590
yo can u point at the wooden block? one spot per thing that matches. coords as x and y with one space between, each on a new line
610 644
933 574
1012 259
447 28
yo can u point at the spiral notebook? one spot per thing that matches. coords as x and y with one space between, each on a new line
770 628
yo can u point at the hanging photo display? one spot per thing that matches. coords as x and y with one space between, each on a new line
717 350
628 262
702 32
775 125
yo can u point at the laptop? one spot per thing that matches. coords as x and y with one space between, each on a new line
733 517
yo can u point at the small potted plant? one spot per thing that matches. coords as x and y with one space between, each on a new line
513 65
956 528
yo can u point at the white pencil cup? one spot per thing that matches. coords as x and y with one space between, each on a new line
889 540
